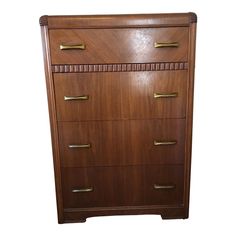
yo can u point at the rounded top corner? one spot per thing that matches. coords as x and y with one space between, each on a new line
193 17
43 20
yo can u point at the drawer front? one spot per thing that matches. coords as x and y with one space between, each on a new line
118 45
127 142
126 95
122 186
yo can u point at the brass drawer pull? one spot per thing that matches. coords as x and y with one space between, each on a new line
80 145
158 187
71 47
165 95
166 45
161 143
71 98
82 190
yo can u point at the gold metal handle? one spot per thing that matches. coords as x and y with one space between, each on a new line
162 143
69 47
71 98
158 187
82 190
166 45
80 145
165 95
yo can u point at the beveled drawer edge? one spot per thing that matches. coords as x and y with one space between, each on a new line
122 67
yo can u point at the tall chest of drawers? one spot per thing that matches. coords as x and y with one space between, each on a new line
120 94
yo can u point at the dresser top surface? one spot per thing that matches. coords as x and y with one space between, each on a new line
118 21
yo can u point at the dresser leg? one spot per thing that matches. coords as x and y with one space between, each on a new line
173 216
73 220
82 220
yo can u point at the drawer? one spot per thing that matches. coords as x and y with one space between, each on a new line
126 95
118 45
126 142
122 186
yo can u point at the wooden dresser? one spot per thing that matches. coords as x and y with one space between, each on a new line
120 94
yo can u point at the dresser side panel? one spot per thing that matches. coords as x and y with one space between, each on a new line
189 115
53 121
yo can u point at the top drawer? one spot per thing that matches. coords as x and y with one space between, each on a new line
92 46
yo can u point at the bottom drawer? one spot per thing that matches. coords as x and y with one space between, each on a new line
122 186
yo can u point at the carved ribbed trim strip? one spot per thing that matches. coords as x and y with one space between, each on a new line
126 67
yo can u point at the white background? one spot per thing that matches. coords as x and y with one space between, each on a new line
27 198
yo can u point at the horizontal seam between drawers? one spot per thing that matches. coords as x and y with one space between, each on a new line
115 166
118 120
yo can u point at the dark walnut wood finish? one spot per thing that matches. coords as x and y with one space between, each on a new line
126 142
120 113
115 96
129 186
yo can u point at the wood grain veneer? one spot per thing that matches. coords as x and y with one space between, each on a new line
119 149
114 96
125 45
126 142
